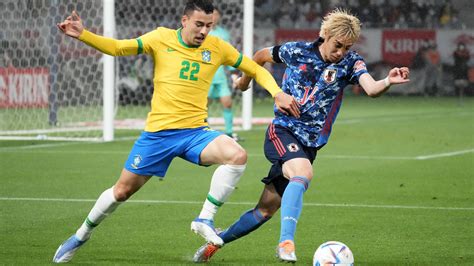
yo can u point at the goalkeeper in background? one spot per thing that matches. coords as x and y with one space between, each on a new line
316 75
220 84
185 61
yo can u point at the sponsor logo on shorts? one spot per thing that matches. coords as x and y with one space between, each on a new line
136 161
293 147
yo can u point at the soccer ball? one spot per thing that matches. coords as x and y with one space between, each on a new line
333 253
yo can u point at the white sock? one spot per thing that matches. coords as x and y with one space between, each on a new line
105 205
223 184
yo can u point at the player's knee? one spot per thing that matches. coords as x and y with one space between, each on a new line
239 157
234 154
268 211
306 173
122 192
309 175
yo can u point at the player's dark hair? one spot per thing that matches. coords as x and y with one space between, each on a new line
199 5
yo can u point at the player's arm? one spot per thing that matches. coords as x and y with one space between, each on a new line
375 88
261 57
284 102
73 27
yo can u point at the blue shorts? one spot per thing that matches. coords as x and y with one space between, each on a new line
153 152
219 90
281 146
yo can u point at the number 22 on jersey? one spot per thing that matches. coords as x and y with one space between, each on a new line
189 70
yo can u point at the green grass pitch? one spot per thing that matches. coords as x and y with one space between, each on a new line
395 183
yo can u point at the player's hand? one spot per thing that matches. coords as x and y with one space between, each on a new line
287 104
241 83
399 75
72 26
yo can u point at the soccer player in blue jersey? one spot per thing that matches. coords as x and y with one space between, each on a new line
220 85
185 61
316 75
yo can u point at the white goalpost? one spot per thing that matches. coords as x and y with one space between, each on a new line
109 74
56 88
247 98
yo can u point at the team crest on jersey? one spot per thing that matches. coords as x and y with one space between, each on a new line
292 147
206 56
329 75
136 161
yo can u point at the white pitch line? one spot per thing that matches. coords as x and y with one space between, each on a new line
249 203
363 157
322 156
60 144
446 154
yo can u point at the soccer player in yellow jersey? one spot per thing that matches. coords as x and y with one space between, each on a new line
185 62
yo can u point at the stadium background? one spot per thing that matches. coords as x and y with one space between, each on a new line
395 182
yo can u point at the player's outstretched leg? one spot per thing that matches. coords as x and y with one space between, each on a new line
223 184
248 222
291 206
104 206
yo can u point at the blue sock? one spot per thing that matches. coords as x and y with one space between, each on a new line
247 223
228 120
291 205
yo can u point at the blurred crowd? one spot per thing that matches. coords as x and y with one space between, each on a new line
398 14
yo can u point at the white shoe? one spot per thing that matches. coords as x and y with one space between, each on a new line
285 251
205 252
205 228
68 248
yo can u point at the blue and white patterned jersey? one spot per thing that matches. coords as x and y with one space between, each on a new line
317 86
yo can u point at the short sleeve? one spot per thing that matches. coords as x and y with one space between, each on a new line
230 55
288 53
358 68
145 41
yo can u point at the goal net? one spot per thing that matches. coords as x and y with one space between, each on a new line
52 86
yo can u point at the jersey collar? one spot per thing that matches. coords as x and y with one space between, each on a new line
181 41
316 45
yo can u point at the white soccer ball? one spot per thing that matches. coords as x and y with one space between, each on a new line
333 253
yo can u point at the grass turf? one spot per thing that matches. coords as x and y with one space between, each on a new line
389 184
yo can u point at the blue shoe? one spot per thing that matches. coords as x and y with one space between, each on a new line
205 228
67 249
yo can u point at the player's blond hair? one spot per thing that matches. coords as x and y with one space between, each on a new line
340 23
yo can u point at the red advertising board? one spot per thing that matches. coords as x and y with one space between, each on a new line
282 36
400 46
24 87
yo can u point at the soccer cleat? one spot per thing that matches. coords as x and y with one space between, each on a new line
205 252
67 249
235 137
286 251
205 228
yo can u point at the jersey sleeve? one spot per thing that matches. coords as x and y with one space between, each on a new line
358 68
146 41
231 57
109 46
287 53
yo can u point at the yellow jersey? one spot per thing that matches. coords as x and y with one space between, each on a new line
182 73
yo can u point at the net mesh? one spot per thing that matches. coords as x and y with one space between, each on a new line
51 84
